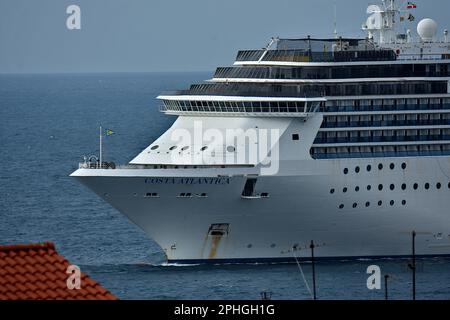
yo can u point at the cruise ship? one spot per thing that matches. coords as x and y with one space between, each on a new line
343 141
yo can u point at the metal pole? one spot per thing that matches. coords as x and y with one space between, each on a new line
386 277
414 264
101 158
313 269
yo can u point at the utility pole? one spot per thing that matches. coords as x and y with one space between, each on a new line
386 277
412 265
313 269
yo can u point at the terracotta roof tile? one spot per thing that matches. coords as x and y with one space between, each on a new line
37 271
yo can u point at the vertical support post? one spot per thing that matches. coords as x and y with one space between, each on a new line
313 270
414 265
101 151
386 277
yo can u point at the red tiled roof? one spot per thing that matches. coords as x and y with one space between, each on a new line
38 272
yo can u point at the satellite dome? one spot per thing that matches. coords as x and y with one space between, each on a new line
427 29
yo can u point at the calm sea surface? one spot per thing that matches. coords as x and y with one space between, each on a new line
47 124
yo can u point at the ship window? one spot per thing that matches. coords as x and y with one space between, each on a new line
264 195
438 185
403 202
355 205
204 148
380 203
392 187
403 165
154 147
344 190
448 185
356 188
415 186
380 187
231 149
249 245
172 148
273 245
369 168
295 137
392 202
367 204
380 166
341 206
184 148
151 195
392 166
404 186
203 195
345 170
357 169
332 191
369 187
427 186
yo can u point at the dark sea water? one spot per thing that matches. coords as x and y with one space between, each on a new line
48 122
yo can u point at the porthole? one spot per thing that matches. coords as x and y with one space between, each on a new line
392 203
249 245
369 168
404 202
345 170
273 245
380 166
184 148
172 148
344 190
438 185
367 204
392 166
415 186
332 191
204 148
380 203
355 205
154 147
369 187
380 187
231 149
392 187
427 186
356 188
403 165
357 169
341 206
404 186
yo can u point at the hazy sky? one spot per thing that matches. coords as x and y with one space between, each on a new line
168 35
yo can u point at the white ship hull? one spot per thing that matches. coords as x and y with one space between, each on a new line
300 208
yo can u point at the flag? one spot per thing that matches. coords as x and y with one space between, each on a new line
411 5
109 132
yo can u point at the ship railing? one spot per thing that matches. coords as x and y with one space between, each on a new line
96 165
426 56
292 111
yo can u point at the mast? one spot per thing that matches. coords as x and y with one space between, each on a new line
381 23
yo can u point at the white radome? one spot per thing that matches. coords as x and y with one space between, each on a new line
427 29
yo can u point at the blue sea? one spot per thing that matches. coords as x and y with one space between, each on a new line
49 122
